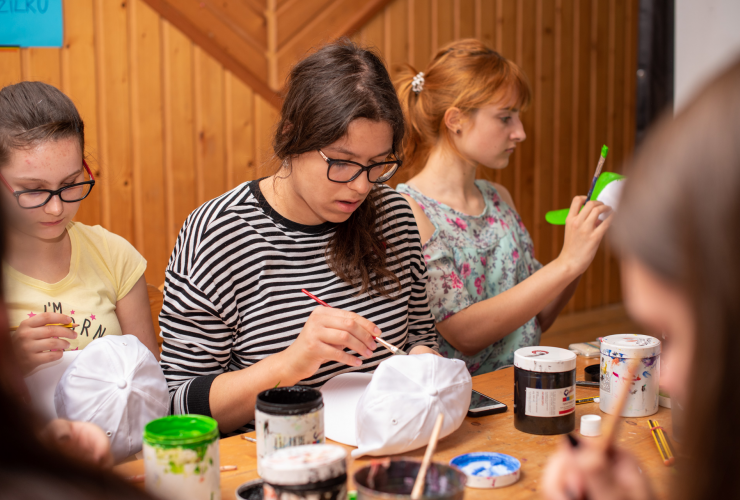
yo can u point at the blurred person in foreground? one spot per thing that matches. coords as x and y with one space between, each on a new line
61 460
677 230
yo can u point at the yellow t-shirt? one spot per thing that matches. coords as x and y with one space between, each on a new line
103 269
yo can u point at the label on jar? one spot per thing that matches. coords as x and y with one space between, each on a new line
550 402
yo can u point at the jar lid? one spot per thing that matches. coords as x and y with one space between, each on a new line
630 345
292 400
311 463
181 430
545 359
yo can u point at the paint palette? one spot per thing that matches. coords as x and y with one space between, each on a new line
487 469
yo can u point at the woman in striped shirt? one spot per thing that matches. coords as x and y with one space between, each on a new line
234 320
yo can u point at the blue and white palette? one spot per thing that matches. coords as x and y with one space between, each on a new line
487 469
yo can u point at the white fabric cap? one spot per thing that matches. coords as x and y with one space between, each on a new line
42 382
117 384
394 409
610 196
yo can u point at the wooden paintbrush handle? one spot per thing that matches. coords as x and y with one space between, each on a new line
421 477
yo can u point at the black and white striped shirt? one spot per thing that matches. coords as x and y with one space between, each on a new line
233 291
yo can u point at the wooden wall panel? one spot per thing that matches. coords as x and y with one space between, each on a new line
168 127
579 56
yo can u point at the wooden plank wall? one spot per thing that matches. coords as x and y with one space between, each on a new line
580 57
168 128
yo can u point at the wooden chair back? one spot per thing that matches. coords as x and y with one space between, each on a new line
156 299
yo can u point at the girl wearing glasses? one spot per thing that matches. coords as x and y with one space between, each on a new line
488 293
235 321
58 271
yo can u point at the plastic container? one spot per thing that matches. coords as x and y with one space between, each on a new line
287 416
643 397
317 471
485 469
393 479
181 458
544 390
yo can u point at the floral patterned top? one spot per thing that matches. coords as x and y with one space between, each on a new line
471 258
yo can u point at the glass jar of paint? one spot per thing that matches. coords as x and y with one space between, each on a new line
181 457
644 388
316 471
544 390
287 416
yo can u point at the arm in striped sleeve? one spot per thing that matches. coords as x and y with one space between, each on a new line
196 348
422 329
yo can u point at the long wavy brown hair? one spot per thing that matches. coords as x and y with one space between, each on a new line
326 91
680 216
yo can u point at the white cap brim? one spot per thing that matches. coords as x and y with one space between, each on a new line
341 395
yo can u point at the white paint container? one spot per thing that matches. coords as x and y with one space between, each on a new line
286 417
616 350
181 458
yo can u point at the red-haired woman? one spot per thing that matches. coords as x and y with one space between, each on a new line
234 320
487 292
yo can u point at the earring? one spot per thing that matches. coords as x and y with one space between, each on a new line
458 131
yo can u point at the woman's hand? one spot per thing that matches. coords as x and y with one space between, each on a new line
583 234
35 343
586 471
83 441
324 337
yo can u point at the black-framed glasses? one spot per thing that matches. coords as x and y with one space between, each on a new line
346 171
35 198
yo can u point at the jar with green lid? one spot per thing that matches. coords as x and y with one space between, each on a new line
181 458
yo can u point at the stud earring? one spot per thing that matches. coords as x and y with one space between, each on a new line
458 131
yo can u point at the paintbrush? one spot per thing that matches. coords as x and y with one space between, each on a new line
68 325
599 166
610 430
390 347
422 475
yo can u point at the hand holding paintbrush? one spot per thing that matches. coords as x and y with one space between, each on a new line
390 347
41 339
596 469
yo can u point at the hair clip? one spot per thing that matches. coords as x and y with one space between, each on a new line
417 84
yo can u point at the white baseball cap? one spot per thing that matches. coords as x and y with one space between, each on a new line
117 384
394 409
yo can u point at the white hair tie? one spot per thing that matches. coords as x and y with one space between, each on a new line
417 84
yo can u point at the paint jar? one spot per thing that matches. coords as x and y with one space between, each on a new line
181 457
544 390
485 469
251 490
287 416
315 471
393 479
616 350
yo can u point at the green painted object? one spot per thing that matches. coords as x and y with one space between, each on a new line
181 431
557 217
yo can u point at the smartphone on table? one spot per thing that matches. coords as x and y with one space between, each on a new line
481 405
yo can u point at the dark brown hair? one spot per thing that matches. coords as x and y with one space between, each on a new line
680 216
465 74
326 91
34 112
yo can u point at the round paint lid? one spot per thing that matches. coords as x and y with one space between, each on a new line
487 469
305 464
630 345
545 359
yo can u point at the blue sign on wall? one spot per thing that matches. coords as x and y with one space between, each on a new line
31 23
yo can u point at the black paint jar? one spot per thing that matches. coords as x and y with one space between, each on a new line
286 417
544 390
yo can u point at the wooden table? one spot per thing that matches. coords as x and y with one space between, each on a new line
491 433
